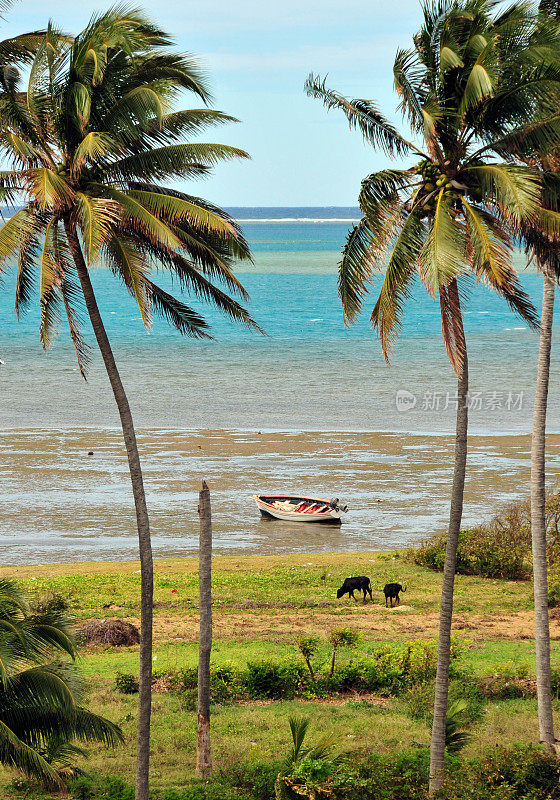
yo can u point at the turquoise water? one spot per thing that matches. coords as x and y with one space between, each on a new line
309 373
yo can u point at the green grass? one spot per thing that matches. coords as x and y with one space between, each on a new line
260 606
255 583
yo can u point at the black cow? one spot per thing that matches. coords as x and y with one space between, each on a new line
360 584
391 591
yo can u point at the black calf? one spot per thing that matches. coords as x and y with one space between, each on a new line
391 591
360 584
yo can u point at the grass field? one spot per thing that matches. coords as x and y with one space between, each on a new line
261 605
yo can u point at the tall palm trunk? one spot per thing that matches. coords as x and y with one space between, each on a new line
538 520
142 521
203 751
437 750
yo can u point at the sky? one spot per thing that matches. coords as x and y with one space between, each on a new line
258 55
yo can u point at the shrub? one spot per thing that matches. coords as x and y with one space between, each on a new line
418 701
255 778
341 637
517 773
51 603
500 548
491 551
270 680
308 647
377 777
126 683
225 683
86 787
188 678
554 593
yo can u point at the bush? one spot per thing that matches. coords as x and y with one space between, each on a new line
491 551
52 603
517 773
86 787
271 681
257 779
188 678
500 548
418 701
378 777
126 683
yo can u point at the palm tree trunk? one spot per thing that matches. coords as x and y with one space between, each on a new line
437 749
538 520
203 751
142 520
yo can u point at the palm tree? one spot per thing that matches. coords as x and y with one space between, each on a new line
544 247
543 241
470 89
90 142
40 710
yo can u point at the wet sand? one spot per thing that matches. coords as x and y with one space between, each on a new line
60 505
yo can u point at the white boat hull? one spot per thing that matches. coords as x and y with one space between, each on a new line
269 509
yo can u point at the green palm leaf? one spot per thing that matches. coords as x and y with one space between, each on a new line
356 268
361 114
14 233
51 191
129 264
387 314
177 313
515 189
173 160
96 218
443 255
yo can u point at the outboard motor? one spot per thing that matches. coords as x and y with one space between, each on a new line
335 504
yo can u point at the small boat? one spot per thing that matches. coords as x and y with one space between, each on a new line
296 508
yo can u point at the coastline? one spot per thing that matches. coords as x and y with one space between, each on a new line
62 505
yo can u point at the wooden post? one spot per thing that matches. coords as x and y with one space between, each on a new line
203 751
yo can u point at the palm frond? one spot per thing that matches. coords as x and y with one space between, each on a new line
140 217
72 298
452 325
173 160
515 189
408 84
15 753
93 146
49 189
356 268
182 317
96 218
361 114
388 311
14 233
129 264
443 256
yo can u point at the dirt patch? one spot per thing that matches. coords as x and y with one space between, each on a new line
375 622
365 698
114 632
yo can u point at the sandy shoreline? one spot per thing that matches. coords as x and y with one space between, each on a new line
60 505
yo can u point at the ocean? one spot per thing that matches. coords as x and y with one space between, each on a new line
315 388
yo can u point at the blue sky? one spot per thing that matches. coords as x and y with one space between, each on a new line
258 55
